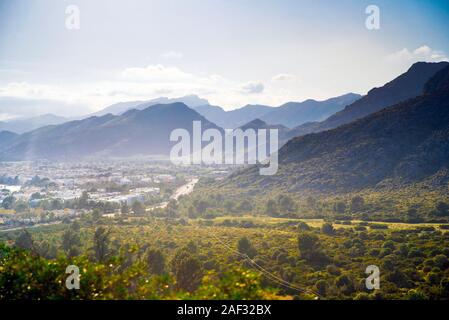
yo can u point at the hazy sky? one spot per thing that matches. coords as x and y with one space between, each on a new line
231 52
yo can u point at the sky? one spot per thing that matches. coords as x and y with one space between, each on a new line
230 52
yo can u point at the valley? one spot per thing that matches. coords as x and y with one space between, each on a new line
100 193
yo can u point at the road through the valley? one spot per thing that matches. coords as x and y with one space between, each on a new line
181 191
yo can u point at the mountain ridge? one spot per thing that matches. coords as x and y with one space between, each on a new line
289 114
137 132
396 146
122 107
22 125
406 86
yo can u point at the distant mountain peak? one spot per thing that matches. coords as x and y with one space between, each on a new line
254 124
175 106
24 124
192 101
257 122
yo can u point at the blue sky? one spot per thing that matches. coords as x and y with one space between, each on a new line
229 52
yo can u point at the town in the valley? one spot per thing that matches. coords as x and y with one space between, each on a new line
44 192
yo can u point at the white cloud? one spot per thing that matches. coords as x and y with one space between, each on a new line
41 92
252 87
423 53
284 77
172 55
152 81
8 116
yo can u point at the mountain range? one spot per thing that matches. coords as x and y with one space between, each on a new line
290 114
408 85
399 145
144 129
234 118
22 125
121 107
135 132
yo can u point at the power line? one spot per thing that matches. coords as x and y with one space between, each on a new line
266 272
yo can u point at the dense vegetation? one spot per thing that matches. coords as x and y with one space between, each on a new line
135 257
412 204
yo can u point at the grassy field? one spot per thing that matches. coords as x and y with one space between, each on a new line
318 223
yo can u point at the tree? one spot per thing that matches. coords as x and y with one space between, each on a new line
441 261
20 206
271 208
8 202
138 208
245 206
201 206
96 214
321 287
191 247
286 203
412 215
76 226
124 208
56 204
191 212
172 208
340 207
308 244
344 284
302 226
51 216
83 201
102 243
71 241
399 278
357 203
310 249
328 228
442 208
25 240
245 247
35 196
187 270
155 261
416 294
46 249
